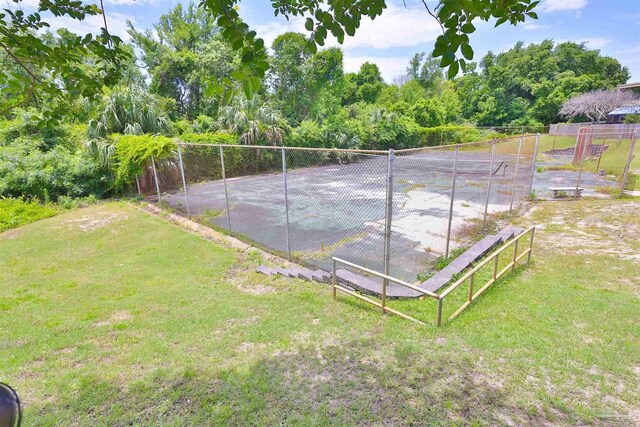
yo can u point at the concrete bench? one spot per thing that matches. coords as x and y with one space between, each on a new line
577 192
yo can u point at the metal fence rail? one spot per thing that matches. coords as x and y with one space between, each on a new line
387 211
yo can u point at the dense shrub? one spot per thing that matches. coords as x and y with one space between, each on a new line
29 168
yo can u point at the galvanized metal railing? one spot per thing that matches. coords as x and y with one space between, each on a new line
468 276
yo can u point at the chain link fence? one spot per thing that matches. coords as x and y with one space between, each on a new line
601 161
388 211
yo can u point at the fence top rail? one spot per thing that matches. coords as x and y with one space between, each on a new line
280 147
466 144
389 278
485 262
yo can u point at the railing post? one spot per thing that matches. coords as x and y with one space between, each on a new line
334 279
515 176
286 201
226 194
453 195
184 181
576 193
471 280
155 178
533 164
439 313
495 267
388 217
515 255
533 231
625 175
486 202
383 299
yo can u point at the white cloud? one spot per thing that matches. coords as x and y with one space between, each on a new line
562 5
396 27
591 42
390 67
530 26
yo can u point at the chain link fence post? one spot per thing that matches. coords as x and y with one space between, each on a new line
184 181
226 193
630 156
286 201
515 176
486 201
453 195
533 163
388 219
155 178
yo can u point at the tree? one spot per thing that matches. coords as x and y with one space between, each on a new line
534 81
344 18
182 53
365 85
288 78
36 68
254 121
595 105
426 71
127 110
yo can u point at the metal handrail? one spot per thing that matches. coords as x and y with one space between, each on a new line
470 276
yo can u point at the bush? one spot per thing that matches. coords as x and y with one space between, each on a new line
18 211
209 138
27 170
133 153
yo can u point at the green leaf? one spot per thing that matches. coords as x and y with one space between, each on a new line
248 91
238 75
467 51
447 58
468 28
532 15
453 70
255 83
501 21
309 24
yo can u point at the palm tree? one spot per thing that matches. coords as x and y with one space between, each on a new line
127 110
253 121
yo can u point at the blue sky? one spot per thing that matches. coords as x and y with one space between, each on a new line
612 26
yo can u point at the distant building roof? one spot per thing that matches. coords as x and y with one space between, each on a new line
630 86
632 109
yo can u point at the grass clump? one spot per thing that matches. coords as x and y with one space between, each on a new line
15 212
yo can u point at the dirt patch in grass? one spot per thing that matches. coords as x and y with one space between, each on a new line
117 317
95 220
604 228
10 234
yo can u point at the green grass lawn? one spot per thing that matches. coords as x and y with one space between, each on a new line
109 316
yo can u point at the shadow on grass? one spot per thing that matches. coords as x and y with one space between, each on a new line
356 383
